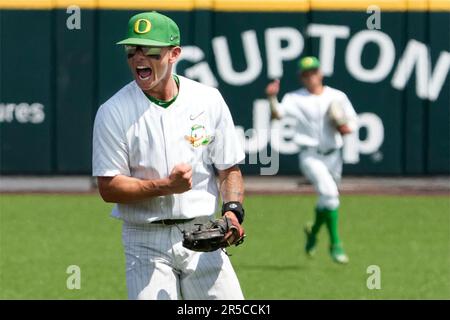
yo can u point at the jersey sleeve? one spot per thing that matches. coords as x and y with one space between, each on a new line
226 150
350 113
110 153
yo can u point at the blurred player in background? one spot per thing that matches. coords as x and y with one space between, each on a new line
323 115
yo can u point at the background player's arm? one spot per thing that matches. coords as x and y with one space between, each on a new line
272 91
344 129
124 189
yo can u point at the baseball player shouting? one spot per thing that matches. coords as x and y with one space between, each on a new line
155 146
323 115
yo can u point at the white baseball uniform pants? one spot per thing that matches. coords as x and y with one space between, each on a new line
324 172
158 267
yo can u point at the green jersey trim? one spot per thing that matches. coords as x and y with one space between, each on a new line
162 103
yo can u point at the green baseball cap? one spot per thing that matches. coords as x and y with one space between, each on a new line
152 29
308 63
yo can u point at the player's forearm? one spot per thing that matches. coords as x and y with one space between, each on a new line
231 185
273 102
123 189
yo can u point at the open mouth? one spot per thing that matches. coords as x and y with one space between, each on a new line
144 72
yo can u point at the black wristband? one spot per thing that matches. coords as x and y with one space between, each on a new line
236 208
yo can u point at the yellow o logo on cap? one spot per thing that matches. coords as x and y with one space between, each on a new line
308 61
148 25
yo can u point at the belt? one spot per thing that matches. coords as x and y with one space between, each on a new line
171 222
323 153
326 153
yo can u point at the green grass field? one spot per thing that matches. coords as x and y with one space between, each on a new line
407 237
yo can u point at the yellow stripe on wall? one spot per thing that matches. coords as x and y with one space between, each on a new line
235 5
255 5
181 5
359 5
384 5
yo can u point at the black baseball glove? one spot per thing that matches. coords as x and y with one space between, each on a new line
217 234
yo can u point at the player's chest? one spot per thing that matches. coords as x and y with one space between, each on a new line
183 127
314 109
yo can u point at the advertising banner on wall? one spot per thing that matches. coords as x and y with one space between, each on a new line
392 60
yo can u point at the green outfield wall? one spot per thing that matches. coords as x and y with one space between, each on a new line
58 65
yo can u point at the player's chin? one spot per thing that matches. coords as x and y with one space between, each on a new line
144 83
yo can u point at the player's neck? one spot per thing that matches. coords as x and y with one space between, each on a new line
165 91
316 90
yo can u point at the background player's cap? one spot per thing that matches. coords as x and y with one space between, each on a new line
152 29
308 63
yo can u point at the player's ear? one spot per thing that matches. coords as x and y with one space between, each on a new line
174 54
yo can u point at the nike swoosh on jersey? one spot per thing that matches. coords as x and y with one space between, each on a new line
195 117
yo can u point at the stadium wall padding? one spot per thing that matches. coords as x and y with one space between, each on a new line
53 79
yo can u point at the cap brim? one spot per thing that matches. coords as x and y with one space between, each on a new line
308 69
144 42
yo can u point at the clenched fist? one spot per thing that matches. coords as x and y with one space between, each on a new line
180 179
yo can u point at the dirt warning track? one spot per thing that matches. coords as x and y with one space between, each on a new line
436 185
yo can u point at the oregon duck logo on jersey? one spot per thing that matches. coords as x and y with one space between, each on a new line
199 136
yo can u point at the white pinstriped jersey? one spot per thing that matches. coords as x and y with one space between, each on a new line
314 129
135 137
